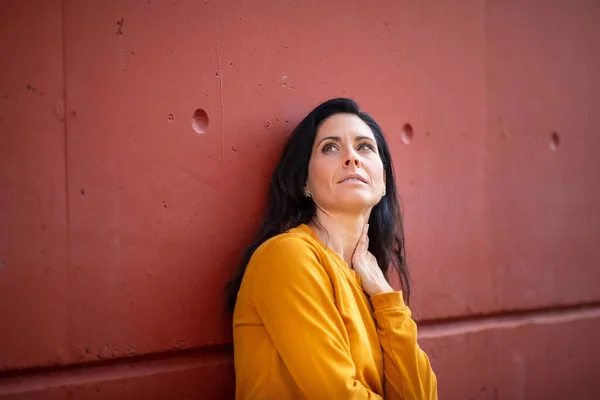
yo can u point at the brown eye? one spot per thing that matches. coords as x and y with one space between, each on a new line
328 148
366 146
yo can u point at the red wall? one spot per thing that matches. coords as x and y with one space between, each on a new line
119 224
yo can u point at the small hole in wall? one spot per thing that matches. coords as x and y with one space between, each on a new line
407 133
200 121
554 141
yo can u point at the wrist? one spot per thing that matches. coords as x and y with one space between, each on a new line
383 288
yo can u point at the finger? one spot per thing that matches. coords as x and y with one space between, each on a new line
361 247
364 240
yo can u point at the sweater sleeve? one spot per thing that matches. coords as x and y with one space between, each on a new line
407 371
293 296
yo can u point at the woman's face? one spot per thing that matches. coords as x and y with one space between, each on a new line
345 171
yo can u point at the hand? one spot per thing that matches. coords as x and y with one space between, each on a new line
365 264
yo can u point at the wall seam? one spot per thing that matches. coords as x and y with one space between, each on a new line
67 188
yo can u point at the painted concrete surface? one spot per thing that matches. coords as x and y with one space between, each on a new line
137 139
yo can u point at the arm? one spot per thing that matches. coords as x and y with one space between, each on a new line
408 373
293 296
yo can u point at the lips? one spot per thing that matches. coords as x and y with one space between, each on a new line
353 179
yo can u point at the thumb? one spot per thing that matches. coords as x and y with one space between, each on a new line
362 245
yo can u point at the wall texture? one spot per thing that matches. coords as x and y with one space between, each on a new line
120 224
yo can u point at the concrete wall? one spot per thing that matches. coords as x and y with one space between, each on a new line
120 224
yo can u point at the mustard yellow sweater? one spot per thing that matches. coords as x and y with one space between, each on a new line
303 328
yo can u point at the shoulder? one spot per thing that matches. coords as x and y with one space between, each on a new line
289 269
292 244
288 258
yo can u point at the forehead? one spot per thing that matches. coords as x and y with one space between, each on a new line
344 125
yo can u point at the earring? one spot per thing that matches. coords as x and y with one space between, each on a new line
306 193
383 191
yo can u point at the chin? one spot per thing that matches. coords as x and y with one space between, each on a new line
356 202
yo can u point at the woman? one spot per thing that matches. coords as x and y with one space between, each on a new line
315 317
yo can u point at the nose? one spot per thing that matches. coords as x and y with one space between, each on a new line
352 158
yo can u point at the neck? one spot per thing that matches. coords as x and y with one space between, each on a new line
340 232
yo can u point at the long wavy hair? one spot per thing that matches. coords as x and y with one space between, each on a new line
288 207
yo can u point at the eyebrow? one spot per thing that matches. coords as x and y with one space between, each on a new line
337 139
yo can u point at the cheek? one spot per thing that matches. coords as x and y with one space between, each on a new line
321 171
315 173
382 174
378 173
